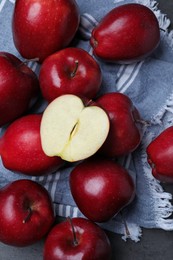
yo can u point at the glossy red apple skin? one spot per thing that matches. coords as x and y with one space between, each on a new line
160 154
21 150
41 27
128 33
19 88
16 200
93 243
125 130
101 188
70 71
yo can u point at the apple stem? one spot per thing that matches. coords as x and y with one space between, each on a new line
125 225
27 61
28 215
143 122
73 73
75 241
89 102
1 140
34 59
94 42
162 29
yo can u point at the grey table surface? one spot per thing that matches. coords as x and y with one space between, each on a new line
154 244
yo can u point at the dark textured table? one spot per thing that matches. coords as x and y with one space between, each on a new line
154 245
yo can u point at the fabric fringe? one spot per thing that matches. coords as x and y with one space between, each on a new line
170 38
163 206
166 109
135 234
164 24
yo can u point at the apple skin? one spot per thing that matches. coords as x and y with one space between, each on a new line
41 27
19 88
128 33
101 188
93 242
160 154
21 150
61 75
18 227
125 130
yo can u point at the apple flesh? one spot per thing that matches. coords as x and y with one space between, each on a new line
19 88
125 127
128 33
101 188
71 130
90 241
21 150
41 27
70 71
26 214
160 154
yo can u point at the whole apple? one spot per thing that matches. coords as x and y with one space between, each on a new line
160 154
21 150
80 239
70 71
41 27
125 127
101 188
26 214
71 129
128 33
19 88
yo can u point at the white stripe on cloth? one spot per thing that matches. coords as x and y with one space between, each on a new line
126 75
75 212
60 210
12 1
87 23
49 182
54 185
2 3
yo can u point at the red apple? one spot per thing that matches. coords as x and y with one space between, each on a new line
21 150
41 27
19 88
124 134
128 33
101 188
80 239
160 154
26 214
70 71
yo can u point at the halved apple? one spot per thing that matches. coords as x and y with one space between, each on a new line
71 130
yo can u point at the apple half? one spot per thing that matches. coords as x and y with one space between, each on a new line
71 130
